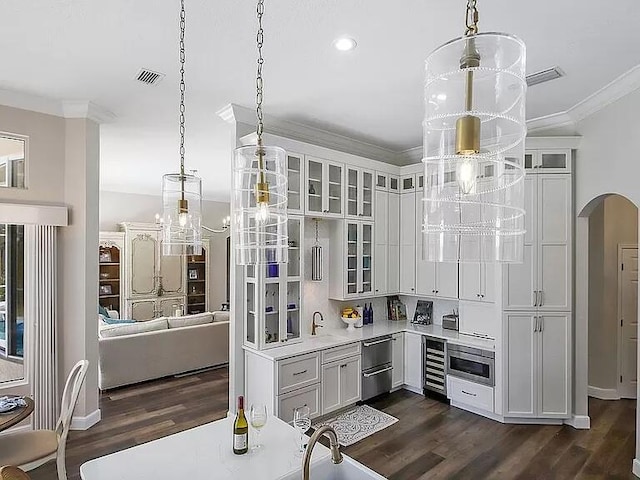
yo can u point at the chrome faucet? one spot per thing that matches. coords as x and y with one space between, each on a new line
334 445
314 325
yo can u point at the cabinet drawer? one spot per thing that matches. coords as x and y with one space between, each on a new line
307 396
298 372
469 393
338 353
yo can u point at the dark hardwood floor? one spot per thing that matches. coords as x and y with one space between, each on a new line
430 441
435 441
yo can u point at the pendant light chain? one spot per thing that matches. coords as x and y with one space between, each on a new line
471 18
182 85
259 82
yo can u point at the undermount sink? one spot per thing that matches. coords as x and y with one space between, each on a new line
322 338
349 469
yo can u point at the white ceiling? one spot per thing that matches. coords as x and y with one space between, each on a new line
91 50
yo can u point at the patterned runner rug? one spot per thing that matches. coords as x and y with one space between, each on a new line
357 423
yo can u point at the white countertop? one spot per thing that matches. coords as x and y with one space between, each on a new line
337 337
205 453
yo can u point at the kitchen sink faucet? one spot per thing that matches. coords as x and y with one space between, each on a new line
336 456
314 325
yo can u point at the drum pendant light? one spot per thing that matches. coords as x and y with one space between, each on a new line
474 130
260 189
182 192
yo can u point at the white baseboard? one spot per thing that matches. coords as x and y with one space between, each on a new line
636 467
603 393
580 422
84 423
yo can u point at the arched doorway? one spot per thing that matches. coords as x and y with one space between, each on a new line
605 225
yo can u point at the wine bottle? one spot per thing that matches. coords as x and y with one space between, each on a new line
371 313
240 430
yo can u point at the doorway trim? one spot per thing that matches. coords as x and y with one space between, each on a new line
621 247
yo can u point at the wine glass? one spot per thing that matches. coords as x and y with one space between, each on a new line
302 423
258 419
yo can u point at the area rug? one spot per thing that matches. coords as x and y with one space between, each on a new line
357 423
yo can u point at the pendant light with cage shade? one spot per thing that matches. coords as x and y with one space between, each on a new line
260 189
182 192
474 131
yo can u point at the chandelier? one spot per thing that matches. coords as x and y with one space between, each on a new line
474 131
260 189
181 192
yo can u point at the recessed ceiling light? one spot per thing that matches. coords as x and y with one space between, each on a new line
345 44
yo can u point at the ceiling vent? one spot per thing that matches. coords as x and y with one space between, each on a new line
544 76
149 77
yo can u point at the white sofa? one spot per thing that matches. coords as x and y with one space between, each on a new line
139 351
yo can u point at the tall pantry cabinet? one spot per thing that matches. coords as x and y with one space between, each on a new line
537 295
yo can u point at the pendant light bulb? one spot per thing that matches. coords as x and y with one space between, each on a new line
183 218
466 174
262 213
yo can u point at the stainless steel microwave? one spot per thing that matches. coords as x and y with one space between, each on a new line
473 364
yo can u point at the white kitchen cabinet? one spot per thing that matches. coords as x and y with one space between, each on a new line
324 188
394 184
537 356
408 242
547 161
382 181
381 253
310 396
543 281
413 361
477 282
393 251
359 196
397 360
340 384
408 183
352 265
295 183
273 296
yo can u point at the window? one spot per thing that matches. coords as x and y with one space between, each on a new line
12 162
11 302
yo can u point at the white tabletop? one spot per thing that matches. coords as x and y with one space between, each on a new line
205 452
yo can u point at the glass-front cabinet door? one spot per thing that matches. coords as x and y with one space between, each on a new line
366 194
324 188
366 277
353 185
315 186
335 196
548 161
359 251
295 180
291 325
296 231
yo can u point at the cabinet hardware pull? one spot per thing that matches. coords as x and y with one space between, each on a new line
299 373
342 366
471 394
535 302
367 375
541 323
368 344
541 297
437 291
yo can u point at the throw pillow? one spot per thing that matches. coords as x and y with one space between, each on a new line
103 311
116 321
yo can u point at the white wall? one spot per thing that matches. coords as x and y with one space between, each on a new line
613 222
607 162
116 208
62 168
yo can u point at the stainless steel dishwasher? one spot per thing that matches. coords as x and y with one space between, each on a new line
376 366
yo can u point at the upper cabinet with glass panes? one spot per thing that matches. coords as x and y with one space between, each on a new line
548 161
295 180
359 193
13 154
325 188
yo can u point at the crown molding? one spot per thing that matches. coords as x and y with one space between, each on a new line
85 109
555 120
613 91
316 136
412 155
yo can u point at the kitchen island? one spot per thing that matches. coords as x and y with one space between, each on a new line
205 453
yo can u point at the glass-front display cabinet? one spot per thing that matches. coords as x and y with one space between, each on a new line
273 296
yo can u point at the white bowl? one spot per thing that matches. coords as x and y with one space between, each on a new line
350 322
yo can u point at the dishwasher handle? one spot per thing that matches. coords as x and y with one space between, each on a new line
377 372
369 344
